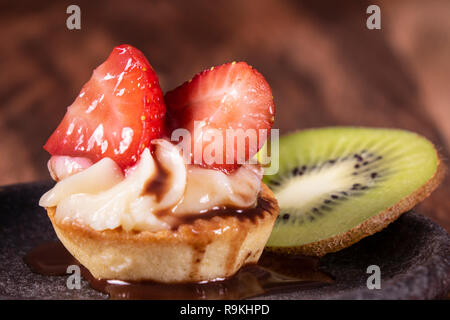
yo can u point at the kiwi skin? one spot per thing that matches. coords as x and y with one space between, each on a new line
370 226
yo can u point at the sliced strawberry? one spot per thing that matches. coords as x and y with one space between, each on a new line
230 96
117 113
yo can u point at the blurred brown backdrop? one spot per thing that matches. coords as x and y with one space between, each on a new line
324 65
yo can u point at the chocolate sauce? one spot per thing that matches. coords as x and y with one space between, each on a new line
262 207
49 259
160 185
273 273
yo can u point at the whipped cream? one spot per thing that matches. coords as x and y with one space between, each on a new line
149 196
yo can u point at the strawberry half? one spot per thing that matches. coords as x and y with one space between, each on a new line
230 96
117 113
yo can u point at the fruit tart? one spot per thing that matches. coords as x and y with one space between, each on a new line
132 203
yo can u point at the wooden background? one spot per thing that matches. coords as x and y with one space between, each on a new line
324 66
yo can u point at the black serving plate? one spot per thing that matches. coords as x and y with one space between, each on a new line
413 254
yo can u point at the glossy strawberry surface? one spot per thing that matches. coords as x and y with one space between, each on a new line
117 113
231 96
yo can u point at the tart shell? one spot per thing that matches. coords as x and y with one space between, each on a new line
202 250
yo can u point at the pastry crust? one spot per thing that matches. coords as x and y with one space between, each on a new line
205 249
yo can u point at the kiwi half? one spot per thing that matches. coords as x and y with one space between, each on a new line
338 185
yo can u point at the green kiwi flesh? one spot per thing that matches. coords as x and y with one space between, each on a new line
338 185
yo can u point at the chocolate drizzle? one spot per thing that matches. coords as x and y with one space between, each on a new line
272 274
262 207
160 184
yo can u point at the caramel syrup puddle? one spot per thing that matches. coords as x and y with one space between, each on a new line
273 273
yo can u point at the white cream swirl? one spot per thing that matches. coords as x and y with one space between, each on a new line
102 197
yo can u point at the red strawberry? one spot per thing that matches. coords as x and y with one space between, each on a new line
117 113
230 96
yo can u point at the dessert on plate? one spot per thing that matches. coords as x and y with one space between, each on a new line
131 203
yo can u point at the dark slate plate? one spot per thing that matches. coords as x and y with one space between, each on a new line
413 254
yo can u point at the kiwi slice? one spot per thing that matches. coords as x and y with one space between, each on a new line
338 185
